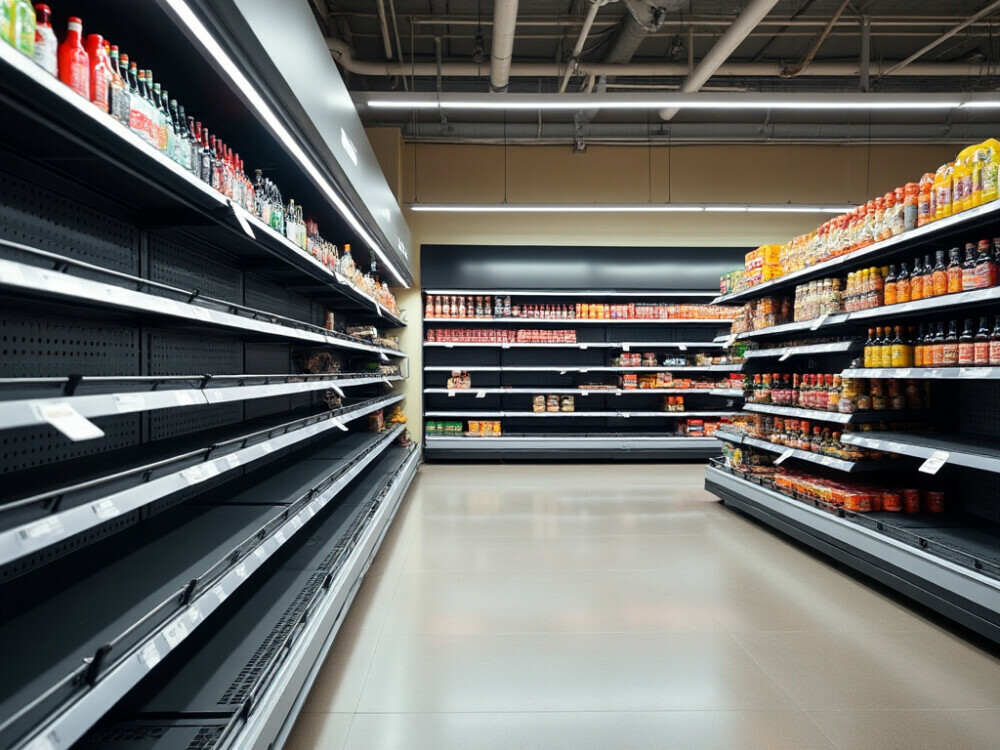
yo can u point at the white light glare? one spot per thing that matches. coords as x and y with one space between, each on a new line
205 38
624 208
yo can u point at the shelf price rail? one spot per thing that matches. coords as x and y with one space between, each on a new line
831 462
67 708
56 519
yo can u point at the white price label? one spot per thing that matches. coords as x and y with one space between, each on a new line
338 424
903 373
280 536
583 347
626 347
201 313
220 593
297 520
241 571
934 462
149 655
241 219
786 355
379 311
10 273
383 357
233 460
40 531
682 347
337 389
176 632
194 614
584 394
481 394
127 402
827 460
625 415
784 456
260 554
185 398
505 346
449 346
584 370
451 394
819 321
266 447
975 372
48 741
68 421
105 509
193 475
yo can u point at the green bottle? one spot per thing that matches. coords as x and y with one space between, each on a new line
5 20
22 29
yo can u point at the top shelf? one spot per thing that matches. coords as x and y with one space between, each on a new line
943 229
73 131
571 293
584 321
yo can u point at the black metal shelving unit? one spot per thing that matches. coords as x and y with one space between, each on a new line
947 561
179 425
608 420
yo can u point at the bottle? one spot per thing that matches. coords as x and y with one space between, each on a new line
942 191
903 286
194 144
985 274
966 345
118 105
902 350
949 352
962 186
969 268
869 348
954 270
917 280
74 65
22 28
885 349
927 278
889 291
936 348
911 193
995 343
205 158
940 275
100 72
918 348
46 44
981 345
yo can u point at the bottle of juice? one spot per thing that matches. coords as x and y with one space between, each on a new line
977 177
943 191
925 214
74 64
916 281
991 168
954 270
22 30
962 186
940 275
5 16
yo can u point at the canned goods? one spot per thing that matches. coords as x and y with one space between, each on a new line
933 502
892 502
911 501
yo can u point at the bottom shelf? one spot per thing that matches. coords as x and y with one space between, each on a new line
946 563
241 683
547 446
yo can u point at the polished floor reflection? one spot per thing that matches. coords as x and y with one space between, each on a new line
615 606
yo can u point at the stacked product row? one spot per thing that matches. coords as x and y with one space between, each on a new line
489 307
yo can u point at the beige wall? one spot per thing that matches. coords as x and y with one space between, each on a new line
783 173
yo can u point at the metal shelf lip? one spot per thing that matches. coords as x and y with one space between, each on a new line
865 255
193 191
801 325
574 442
625 345
582 391
946 301
73 720
577 368
817 458
972 597
833 347
28 278
727 392
31 537
963 450
585 321
565 293
601 414
865 417
28 412
925 373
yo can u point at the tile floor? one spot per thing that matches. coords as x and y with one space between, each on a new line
611 606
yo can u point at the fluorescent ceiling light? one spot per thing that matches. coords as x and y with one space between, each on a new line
723 100
624 208
205 38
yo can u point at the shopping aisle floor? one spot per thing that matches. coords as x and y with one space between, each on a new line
609 606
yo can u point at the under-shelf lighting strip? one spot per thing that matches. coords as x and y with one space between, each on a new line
209 43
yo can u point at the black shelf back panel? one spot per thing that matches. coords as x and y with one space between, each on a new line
979 414
514 267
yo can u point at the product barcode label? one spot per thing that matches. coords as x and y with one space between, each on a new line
68 421
40 531
233 461
934 462
149 655
176 632
105 508
10 273
127 402
220 592
784 456
280 536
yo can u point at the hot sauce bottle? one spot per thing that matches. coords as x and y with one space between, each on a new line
74 64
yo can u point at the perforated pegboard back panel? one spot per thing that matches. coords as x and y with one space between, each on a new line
213 273
979 408
268 359
301 308
75 230
265 407
181 354
170 423
38 346
31 447
980 493
262 294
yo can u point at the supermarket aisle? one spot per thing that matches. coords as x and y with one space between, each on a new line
614 606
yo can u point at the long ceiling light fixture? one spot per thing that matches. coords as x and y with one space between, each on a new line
701 100
627 208
209 43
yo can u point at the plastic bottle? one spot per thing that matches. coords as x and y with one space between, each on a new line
991 168
46 44
74 64
22 29
962 186
100 71
924 213
954 270
943 191
5 18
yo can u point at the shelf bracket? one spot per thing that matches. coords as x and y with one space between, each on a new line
95 663
72 383
188 592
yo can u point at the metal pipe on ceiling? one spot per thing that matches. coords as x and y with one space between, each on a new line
944 37
504 24
344 57
384 26
595 5
791 71
748 20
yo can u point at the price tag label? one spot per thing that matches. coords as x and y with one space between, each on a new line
266 447
220 592
827 460
149 655
624 415
128 402
626 347
784 456
505 346
451 394
379 311
194 614
337 389
975 372
233 461
584 370
176 632
241 571
39 532
481 394
584 394
10 273
193 475
297 520
819 321
934 462
241 219
449 346
280 536
383 356
260 554
786 355
682 347
105 509
903 372
67 420
185 398
583 347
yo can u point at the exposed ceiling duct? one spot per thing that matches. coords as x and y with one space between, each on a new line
504 25
752 15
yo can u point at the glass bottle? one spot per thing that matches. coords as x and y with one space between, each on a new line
885 349
903 286
985 267
927 278
981 344
966 345
995 343
969 268
46 44
869 348
949 351
940 275
74 64
918 348
206 170
917 281
954 270
902 350
100 72
889 292
936 348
